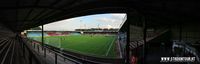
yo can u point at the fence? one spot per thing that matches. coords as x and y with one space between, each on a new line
74 57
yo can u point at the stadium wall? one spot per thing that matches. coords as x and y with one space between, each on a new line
111 33
189 32
61 33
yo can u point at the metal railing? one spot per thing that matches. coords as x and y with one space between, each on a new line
186 48
72 56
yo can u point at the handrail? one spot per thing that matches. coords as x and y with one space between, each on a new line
34 55
186 47
60 54
76 56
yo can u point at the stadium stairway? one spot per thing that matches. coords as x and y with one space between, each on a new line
137 43
136 47
153 50
14 50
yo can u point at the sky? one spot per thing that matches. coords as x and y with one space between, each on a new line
110 20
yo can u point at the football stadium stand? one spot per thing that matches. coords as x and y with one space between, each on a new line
153 29
36 34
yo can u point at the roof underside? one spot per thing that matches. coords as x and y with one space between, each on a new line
19 15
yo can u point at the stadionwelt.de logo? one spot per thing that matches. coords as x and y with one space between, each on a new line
177 59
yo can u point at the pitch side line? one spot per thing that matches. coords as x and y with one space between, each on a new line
109 48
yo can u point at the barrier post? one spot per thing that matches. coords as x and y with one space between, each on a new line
55 58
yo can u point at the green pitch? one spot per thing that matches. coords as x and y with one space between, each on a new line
93 45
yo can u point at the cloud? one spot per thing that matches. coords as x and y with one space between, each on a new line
103 20
114 18
107 20
107 26
61 25
118 16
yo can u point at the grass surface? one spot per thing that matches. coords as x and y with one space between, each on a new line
93 45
